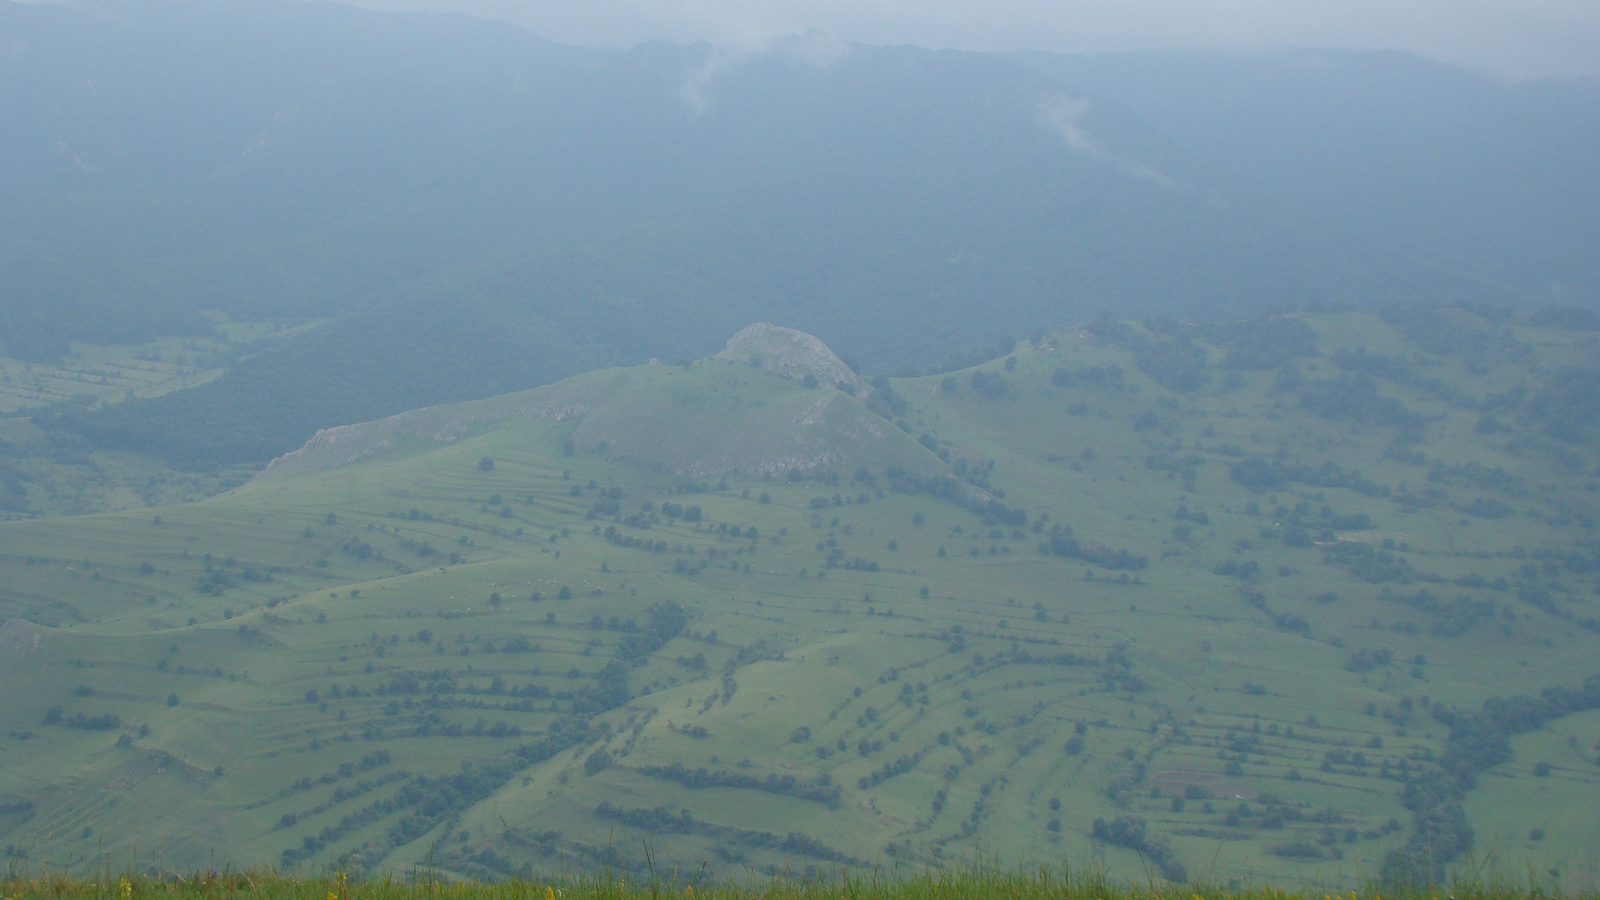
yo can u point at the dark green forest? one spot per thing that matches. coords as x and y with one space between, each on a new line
478 210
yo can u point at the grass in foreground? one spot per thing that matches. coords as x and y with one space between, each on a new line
971 883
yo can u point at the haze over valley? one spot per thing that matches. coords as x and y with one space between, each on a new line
425 446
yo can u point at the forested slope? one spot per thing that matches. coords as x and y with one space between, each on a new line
437 184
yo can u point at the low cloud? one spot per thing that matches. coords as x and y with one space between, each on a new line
814 48
1063 116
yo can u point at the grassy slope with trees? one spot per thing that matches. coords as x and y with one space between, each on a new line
1216 602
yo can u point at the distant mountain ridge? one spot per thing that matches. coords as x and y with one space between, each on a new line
482 211
1489 178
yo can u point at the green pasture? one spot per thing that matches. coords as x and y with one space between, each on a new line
92 374
492 641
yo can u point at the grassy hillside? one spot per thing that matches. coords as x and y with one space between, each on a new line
1208 603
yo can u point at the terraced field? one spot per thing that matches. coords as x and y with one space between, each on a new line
1211 604
44 473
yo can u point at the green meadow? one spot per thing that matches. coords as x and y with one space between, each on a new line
1228 606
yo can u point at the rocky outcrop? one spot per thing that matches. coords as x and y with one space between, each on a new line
791 352
18 636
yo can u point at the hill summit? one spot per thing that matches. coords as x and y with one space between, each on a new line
791 352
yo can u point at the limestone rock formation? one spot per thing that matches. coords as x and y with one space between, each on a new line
19 636
788 351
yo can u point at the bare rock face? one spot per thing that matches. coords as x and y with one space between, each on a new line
788 351
18 636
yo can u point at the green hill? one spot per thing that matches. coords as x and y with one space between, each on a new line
1220 602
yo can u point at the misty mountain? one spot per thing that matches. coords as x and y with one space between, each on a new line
436 183
1493 179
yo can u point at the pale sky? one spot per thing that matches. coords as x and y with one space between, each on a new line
1510 38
